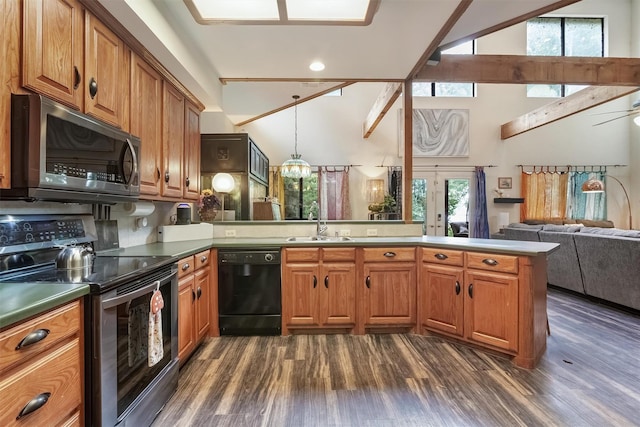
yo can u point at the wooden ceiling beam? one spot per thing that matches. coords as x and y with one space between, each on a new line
523 69
385 101
564 107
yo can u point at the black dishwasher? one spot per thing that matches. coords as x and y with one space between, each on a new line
249 296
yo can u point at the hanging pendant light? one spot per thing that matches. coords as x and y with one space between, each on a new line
295 167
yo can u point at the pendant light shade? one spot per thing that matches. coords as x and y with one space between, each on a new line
295 167
593 186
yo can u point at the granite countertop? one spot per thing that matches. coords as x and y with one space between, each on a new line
20 301
23 300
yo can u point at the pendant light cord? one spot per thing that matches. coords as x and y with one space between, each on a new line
295 122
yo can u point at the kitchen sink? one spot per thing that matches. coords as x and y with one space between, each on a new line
320 239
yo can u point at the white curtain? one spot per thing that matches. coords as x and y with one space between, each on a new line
333 187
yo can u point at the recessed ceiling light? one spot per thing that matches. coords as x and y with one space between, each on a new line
316 66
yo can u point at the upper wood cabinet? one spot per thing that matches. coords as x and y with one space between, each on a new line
191 152
106 75
52 57
146 122
172 141
95 80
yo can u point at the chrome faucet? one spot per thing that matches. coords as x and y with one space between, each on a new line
321 229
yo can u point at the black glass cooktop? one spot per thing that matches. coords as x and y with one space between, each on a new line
106 272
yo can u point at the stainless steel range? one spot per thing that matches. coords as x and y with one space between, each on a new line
130 321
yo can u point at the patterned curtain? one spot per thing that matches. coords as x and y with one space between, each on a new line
480 220
545 194
585 206
276 187
333 187
394 175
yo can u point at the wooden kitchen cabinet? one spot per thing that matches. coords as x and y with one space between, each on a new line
389 288
71 56
318 289
172 141
49 370
470 295
146 122
191 190
194 302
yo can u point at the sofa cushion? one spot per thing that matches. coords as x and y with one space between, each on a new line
525 226
595 223
611 232
561 228
557 221
563 266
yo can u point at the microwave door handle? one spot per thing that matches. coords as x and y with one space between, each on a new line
134 159
113 302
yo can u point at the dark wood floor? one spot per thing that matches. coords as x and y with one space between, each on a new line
589 376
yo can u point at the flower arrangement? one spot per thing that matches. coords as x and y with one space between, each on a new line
208 205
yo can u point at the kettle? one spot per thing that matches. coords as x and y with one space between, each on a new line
75 257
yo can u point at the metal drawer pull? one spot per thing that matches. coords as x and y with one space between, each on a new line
471 290
199 293
457 288
185 266
489 261
441 256
389 254
203 258
368 282
326 282
315 281
33 337
34 404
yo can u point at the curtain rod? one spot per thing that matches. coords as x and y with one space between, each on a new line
454 166
570 166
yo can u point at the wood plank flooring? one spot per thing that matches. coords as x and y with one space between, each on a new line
589 376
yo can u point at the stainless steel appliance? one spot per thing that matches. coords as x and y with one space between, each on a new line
123 387
249 292
60 154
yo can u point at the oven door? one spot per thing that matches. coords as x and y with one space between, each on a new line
129 386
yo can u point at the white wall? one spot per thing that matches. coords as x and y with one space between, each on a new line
330 128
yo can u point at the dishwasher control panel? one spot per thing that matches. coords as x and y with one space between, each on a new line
243 256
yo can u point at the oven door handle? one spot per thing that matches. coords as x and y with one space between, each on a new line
113 302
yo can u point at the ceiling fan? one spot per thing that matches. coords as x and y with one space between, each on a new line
635 111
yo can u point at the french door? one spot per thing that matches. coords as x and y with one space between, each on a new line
441 200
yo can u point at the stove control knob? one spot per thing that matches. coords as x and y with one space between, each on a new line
268 257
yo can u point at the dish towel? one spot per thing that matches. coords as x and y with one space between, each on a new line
156 351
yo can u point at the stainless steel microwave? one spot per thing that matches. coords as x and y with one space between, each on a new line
60 154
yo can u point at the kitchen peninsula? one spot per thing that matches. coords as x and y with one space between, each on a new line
489 293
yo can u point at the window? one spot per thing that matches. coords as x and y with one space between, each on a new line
563 37
448 89
298 196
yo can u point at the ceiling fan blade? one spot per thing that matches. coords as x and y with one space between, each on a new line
615 118
612 112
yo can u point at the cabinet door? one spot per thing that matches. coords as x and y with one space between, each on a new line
338 288
52 56
172 141
491 309
203 301
146 122
191 152
300 295
186 307
104 73
442 298
390 293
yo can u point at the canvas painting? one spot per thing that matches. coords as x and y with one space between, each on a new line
438 133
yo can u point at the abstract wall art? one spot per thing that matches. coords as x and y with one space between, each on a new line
438 133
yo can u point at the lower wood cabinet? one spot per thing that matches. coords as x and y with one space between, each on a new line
318 288
389 288
43 380
473 296
194 302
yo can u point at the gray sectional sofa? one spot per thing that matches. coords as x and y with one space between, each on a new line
596 261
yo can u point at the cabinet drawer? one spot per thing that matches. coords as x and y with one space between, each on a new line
202 259
61 322
186 266
339 254
492 262
389 254
442 256
301 255
57 373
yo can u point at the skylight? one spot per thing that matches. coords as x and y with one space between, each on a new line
308 12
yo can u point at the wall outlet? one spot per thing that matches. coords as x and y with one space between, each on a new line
372 232
229 233
345 233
